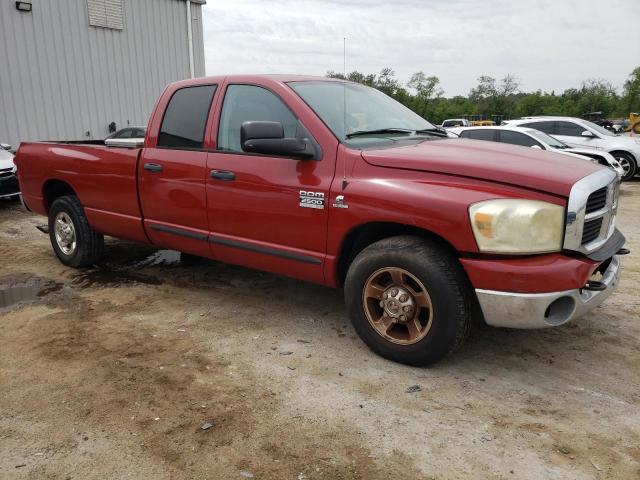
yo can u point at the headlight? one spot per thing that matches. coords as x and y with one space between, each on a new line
514 226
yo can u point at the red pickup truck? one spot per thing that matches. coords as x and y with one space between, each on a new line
335 183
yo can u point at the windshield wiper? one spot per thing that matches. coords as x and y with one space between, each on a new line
434 131
358 133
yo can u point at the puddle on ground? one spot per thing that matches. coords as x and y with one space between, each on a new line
21 289
159 258
113 273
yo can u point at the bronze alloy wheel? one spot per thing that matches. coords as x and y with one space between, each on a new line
397 305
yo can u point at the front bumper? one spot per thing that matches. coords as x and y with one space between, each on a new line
539 310
9 186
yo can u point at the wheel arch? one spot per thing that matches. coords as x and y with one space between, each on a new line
53 189
361 236
626 152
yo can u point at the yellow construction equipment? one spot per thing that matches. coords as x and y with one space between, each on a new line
634 123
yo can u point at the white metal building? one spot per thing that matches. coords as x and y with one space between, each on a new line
71 67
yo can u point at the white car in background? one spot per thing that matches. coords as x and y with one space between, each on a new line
577 132
528 137
455 122
8 181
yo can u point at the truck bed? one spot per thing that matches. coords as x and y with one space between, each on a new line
105 178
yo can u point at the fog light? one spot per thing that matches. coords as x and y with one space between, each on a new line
559 311
24 6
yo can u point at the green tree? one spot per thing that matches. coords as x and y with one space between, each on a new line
631 93
427 89
597 95
387 82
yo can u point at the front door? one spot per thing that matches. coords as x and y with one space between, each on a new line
571 134
267 212
172 174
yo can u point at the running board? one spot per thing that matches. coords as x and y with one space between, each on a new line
43 228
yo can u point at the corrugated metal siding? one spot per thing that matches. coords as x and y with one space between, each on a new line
61 78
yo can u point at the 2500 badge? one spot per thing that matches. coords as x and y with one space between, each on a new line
311 199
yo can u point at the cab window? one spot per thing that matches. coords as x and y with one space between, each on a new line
186 117
245 103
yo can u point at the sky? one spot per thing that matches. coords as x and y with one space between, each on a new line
549 45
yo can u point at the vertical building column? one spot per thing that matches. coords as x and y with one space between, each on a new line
190 39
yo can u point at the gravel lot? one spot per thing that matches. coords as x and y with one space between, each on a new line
113 372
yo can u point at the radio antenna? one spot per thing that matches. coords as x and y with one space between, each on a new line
344 105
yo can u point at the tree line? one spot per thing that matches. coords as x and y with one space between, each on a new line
423 94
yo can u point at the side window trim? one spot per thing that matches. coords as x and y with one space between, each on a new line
206 124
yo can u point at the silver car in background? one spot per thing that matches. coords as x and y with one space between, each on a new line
529 137
8 181
581 133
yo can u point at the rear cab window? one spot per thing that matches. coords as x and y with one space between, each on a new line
185 118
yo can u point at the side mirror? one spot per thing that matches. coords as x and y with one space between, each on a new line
268 138
588 134
537 147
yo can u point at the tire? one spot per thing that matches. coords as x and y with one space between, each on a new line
411 264
628 163
75 243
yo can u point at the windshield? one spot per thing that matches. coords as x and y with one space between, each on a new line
598 128
347 108
548 139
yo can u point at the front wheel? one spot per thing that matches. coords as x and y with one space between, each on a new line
409 300
75 243
628 164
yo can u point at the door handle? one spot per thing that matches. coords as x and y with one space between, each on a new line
153 167
223 175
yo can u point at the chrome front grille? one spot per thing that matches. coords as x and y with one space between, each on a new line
591 211
597 200
591 230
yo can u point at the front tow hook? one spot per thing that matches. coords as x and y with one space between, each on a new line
595 286
623 251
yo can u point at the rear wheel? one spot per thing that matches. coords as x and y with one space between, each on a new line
409 300
628 163
75 243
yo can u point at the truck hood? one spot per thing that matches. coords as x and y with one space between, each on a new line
524 167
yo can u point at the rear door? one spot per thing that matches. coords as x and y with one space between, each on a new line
172 174
268 211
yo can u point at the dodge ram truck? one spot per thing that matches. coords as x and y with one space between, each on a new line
335 183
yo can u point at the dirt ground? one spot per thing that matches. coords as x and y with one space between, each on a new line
113 373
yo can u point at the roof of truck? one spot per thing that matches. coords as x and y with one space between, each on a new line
258 77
